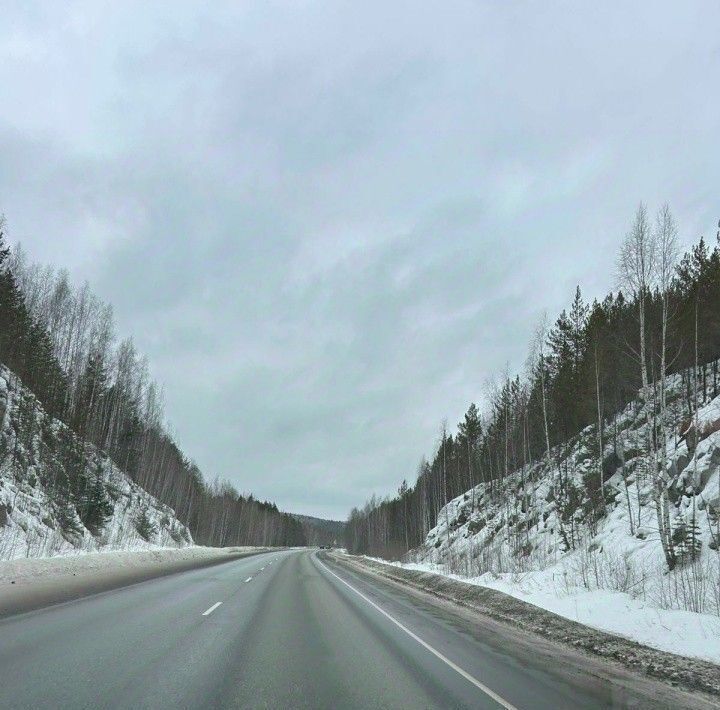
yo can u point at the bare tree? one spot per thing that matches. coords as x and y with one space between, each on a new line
636 270
538 349
641 265
667 256
599 426
443 434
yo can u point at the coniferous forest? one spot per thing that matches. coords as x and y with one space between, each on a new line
582 369
60 341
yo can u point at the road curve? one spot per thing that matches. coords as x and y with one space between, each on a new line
284 629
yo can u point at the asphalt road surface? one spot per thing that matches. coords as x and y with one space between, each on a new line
286 629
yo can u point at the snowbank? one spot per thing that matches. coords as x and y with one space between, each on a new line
538 536
511 620
27 584
34 570
676 631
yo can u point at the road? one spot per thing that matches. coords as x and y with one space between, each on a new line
284 629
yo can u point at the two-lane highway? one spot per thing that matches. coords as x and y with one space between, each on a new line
278 630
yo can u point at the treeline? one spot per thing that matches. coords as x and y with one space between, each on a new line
319 531
60 340
581 370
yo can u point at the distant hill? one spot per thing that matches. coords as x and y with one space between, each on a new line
319 531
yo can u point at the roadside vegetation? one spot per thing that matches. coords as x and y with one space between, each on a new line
602 456
76 395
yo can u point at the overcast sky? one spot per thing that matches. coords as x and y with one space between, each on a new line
328 224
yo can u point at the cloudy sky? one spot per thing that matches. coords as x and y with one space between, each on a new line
329 223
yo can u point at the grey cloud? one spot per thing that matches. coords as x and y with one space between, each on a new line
327 225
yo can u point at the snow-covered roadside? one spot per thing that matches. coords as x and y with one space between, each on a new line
34 570
536 535
33 583
675 631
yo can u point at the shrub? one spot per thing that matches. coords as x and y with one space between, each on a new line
475 526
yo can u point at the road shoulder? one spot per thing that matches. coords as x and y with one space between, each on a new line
30 584
687 682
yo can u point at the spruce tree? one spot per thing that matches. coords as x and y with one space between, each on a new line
95 508
144 525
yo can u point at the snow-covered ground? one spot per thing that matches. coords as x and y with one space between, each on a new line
33 452
30 571
676 631
537 537
35 583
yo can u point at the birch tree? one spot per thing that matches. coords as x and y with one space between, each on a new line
667 256
636 270
541 335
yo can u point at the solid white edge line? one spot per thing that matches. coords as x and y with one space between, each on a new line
212 609
248 579
490 693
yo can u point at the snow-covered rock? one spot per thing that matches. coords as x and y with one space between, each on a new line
540 536
32 524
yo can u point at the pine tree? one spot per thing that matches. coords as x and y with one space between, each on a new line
686 540
567 349
4 247
94 506
144 525
64 507
470 432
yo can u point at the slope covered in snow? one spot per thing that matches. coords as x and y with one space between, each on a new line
538 536
60 495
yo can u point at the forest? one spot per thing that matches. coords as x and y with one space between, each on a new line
60 340
581 371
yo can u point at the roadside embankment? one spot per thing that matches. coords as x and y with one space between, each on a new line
690 673
32 583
